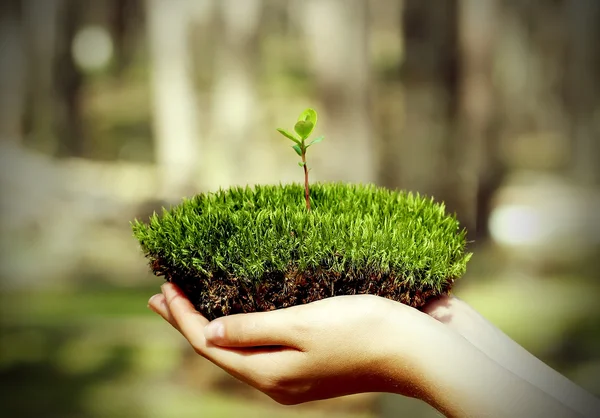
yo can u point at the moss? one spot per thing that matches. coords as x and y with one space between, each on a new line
255 249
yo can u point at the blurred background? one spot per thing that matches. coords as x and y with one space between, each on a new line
111 109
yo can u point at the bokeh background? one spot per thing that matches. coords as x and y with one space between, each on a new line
111 109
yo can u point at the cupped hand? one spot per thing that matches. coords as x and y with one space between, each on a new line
333 347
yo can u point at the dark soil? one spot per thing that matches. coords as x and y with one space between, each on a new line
225 295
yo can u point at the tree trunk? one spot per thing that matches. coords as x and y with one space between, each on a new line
68 83
338 49
529 69
235 103
12 70
123 21
174 102
582 88
429 75
475 169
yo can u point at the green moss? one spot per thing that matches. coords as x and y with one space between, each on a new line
354 234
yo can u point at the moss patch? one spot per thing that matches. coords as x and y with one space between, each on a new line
254 249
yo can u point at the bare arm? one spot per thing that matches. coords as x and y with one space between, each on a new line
466 321
462 381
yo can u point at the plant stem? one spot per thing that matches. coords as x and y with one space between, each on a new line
306 195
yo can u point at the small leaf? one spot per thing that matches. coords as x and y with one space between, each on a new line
309 115
301 164
304 128
315 141
297 149
288 135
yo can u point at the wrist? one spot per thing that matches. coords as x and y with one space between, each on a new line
429 364
405 358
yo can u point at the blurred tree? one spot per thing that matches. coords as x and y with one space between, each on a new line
69 82
174 106
235 104
387 54
512 113
529 64
582 87
54 82
475 170
12 66
124 15
337 35
41 25
429 74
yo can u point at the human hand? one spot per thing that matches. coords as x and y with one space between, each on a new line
329 348
352 344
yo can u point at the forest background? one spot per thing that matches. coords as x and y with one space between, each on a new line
111 109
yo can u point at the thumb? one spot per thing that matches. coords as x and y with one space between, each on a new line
277 328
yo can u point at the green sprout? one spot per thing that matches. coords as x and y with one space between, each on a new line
304 126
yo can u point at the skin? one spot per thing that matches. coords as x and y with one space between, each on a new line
449 356
466 321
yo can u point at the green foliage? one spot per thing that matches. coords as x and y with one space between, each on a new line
288 135
315 141
297 149
309 115
249 233
304 127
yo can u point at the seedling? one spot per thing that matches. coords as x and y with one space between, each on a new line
304 127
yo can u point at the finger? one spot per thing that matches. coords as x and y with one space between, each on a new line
274 328
183 314
452 312
158 304
440 308
188 320
191 324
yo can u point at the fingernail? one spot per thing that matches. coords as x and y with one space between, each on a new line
214 331
153 298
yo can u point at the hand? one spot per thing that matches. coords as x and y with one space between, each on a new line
351 344
332 347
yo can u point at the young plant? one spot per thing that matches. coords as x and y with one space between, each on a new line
304 127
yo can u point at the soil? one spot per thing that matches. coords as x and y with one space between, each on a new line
223 294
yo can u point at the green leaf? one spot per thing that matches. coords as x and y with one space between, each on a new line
304 128
315 141
309 115
288 135
301 164
297 149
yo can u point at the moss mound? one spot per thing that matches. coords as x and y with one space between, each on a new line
256 249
